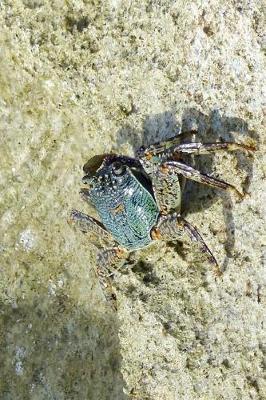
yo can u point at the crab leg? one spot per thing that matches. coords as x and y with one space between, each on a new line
106 261
106 258
168 191
88 224
111 257
176 167
174 227
165 147
107 287
205 148
171 147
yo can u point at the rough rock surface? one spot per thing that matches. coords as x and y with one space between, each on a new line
84 77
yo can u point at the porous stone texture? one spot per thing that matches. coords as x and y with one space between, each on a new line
79 78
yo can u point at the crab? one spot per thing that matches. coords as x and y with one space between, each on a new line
138 200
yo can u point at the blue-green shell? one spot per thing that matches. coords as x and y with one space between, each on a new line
127 209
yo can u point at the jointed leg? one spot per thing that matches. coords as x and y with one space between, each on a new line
176 144
107 260
88 224
174 227
205 148
164 148
167 190
176 167
111 258
107 287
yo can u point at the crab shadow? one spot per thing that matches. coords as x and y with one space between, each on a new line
210 128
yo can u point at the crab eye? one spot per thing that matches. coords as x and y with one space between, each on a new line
118 168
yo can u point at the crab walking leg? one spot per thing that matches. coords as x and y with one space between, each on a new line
174 227
168 191
164 148
106 258
110 258
106 261
176 167
177 145
164 145
107 288
205 148
88 224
